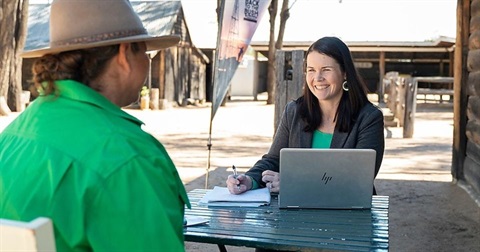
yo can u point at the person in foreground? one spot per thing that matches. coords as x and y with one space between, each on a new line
75 156
334 112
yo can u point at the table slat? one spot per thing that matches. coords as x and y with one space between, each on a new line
306 229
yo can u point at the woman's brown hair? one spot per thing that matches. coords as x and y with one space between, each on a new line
351 102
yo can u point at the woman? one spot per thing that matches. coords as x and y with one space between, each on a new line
334 112
75 156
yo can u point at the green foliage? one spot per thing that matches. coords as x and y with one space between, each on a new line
145 91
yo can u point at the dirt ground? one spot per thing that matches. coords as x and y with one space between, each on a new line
427 211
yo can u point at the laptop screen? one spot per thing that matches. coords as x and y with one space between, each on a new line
326 178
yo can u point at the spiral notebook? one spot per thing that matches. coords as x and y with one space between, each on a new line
326 178
220 196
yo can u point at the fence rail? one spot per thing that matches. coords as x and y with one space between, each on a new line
402 92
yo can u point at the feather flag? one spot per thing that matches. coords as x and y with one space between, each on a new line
238 20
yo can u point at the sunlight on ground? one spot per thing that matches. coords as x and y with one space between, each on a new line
190 174
242 132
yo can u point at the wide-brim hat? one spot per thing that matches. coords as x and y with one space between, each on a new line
82 24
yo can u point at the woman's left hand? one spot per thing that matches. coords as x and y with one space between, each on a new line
272 179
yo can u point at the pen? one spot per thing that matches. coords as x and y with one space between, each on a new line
235 175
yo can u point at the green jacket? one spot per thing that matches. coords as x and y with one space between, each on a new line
83 162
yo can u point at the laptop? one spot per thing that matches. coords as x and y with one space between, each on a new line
326 178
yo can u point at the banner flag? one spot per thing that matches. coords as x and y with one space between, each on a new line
238 21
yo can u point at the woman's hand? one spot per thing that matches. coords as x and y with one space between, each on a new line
239 185
272 179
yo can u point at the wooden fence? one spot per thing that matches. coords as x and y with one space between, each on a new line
402 91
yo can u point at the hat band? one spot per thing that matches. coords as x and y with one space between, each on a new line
100 37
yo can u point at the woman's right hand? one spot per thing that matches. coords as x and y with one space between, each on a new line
239 185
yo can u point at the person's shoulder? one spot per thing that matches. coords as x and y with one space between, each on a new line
370 108
370 111
295 103
292 106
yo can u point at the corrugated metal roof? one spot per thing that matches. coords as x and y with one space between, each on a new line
38 26
442 44
158 18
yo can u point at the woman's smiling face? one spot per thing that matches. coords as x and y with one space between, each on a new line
324 77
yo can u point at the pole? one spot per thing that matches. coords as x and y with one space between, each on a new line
209 147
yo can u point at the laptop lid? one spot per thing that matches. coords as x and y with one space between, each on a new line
326 178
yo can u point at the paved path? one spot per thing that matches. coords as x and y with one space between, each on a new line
427 211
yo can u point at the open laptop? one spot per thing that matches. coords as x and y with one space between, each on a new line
326 178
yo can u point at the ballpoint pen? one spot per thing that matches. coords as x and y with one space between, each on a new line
235 175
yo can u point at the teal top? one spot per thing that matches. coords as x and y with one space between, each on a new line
321 140
85 163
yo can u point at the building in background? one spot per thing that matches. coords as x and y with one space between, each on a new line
178 72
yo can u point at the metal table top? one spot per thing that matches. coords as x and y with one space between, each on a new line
300 229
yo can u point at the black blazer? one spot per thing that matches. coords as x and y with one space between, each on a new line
367 133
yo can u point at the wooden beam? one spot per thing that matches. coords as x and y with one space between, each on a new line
381 88
459 89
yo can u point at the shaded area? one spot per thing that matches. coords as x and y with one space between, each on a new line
431 216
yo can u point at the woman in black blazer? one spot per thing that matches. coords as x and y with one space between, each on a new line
333 112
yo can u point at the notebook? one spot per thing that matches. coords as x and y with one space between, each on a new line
220 196
326 178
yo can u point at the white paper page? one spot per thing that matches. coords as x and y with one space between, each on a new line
221 194
194 220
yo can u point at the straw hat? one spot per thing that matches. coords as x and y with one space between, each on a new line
81 24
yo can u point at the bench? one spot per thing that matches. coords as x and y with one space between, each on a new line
436 88
428 92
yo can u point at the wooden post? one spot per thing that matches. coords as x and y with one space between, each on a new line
459 148
4 109
391 81
255 81
381 87
410 107
401 95
290 79
20 102
155 98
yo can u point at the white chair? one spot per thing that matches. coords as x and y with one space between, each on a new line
33 236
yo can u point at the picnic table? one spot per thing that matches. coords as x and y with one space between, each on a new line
269 227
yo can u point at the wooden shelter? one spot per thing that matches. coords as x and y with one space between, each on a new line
178 72
374 59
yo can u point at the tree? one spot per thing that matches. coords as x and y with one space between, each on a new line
273 45
13 33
